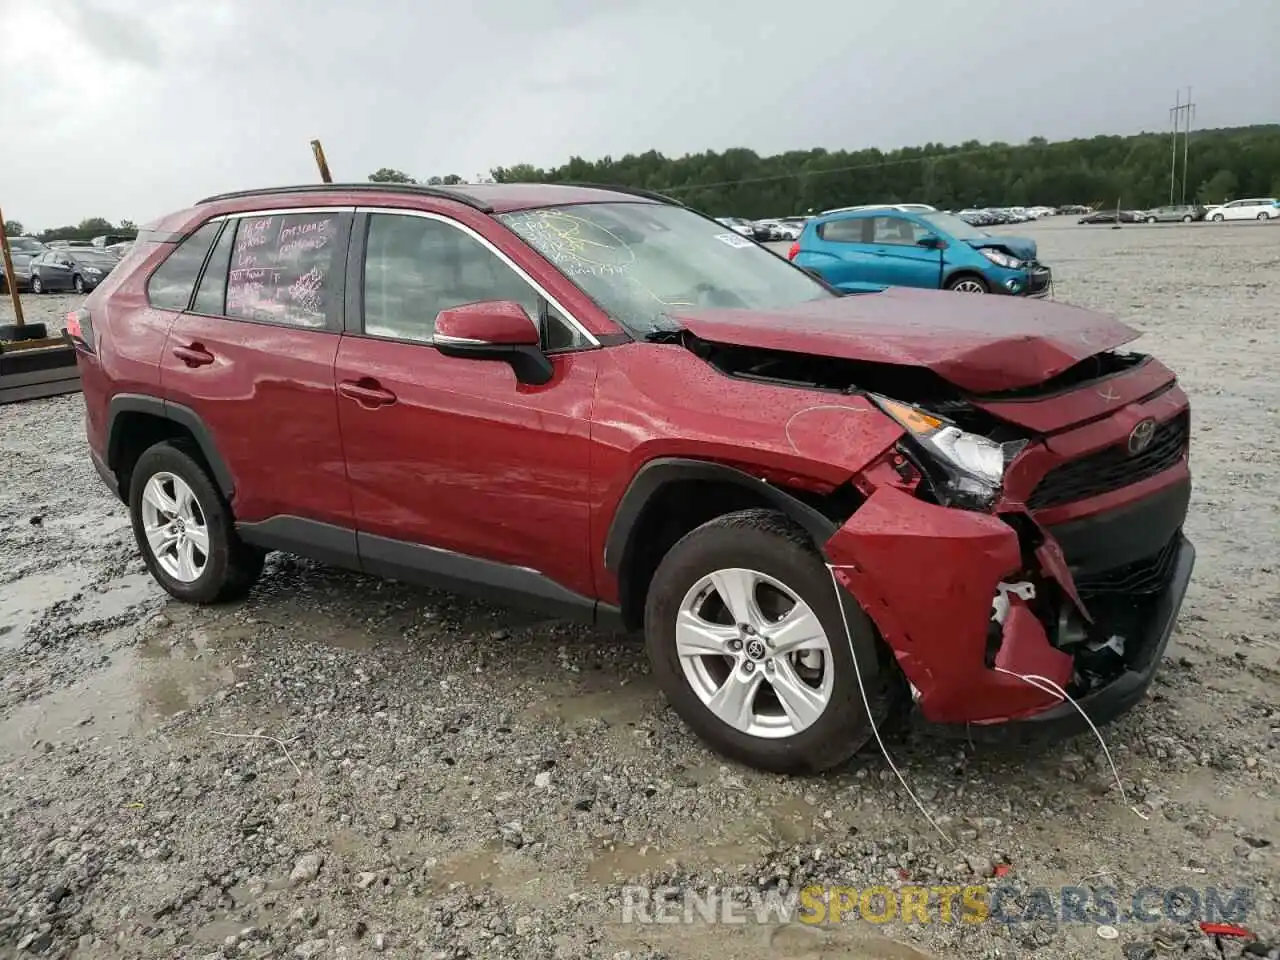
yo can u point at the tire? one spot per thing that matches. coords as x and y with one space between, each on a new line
1217 218
37 285
1151 219
968 283
1264 216
230 566
78 283
1188 218
765 544
28 331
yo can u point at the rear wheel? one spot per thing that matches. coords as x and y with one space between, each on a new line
1264 216
1188 218
1151 219
37 285
967 283
1217 218
184 528
745 635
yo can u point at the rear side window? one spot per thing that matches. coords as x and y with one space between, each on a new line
845 231
211 298
283 270
171 284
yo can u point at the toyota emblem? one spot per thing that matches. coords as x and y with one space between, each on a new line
1141 435
756 650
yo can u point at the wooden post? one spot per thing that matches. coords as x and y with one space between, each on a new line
10 277
318 152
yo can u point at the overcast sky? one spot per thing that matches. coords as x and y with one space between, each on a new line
132 108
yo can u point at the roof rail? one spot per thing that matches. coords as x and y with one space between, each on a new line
632 191
445 193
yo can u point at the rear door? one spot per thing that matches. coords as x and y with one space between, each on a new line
252 357
454 460
844 255
904 262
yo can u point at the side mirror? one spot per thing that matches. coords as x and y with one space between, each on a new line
494 330
930 241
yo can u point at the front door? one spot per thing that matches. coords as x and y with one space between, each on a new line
457 468
903 260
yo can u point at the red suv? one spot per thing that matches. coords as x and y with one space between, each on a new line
815 506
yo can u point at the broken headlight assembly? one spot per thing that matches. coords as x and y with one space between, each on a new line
966 469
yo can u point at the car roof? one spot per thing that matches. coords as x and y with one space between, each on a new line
488 197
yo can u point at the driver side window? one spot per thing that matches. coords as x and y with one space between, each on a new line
417 266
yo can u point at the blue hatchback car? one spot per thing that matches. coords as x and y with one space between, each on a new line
868 250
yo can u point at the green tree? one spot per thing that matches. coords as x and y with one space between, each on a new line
1219 188
13 228
390 175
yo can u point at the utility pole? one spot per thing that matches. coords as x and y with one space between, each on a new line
1180 114
1186 143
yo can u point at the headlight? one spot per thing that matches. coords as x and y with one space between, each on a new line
1000 259
971 466
94 271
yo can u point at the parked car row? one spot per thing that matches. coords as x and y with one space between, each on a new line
1254 208
78 265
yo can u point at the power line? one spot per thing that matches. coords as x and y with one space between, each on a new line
1180 114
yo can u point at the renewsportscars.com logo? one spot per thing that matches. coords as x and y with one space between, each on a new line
1005 904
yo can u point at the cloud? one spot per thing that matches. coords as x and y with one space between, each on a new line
115 37
133 109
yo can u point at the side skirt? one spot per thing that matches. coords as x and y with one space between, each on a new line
428 566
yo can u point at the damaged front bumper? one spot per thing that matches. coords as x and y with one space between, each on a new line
929 577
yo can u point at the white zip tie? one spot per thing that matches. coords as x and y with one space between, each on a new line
848 635
1045 685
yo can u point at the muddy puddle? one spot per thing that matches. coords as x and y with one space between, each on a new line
25 600
137 686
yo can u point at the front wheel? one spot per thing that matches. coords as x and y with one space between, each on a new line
1151 219
967 283
37 285
1188 218
79 283
1264 216
184 528
744 631
1217 218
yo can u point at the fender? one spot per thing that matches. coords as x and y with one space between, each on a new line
167 410
656 474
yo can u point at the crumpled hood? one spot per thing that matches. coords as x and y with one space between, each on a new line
981 344
1023 247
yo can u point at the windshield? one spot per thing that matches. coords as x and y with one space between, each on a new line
642 262
949 223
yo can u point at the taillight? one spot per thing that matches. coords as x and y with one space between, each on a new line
795 248
80 328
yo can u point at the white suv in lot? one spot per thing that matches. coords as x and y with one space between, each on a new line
1258 208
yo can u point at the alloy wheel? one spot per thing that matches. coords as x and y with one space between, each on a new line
969 286
754 653
175 527
37 285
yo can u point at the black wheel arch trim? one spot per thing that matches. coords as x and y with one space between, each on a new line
176 412
651 478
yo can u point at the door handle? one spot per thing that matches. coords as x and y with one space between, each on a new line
366 392
194 355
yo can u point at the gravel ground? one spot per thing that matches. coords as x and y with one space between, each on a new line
345 767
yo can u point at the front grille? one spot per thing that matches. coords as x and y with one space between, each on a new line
1146 576
1112 468
1038 280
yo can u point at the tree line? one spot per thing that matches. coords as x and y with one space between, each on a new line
84 230
1132 172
